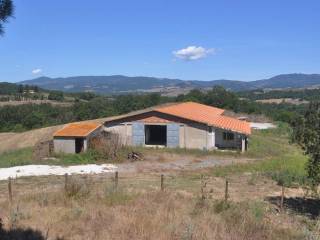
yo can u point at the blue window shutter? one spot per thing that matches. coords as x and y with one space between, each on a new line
173 135
138 134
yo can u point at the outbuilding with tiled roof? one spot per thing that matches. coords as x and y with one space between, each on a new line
74 137
181 125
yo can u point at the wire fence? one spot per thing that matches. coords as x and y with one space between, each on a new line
202 185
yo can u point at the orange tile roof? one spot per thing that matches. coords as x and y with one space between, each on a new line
232 124
191 110
206 114
77 130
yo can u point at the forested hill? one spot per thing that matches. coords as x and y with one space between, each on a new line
123 84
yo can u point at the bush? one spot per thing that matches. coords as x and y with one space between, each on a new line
107 146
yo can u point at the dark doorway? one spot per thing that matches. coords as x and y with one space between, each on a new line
79 145
156 134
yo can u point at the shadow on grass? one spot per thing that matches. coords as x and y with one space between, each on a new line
21 234
304 206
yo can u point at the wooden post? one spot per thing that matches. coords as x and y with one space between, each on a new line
116 177
10 189
162 181
203 186
282 198
226 195
66 182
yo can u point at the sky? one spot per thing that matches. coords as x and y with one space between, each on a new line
186 39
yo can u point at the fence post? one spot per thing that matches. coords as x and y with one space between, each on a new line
162 182
282 198
66 182
226 195
10 189
116 177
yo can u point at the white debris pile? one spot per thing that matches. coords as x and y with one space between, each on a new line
261 126
45 170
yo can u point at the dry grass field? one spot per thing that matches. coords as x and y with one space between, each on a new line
190 207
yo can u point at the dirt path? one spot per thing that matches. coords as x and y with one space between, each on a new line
176 162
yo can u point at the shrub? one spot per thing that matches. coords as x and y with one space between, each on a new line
107 146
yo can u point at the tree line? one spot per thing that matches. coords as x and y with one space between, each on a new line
90 106
301 94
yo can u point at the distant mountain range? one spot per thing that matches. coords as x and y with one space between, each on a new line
123 84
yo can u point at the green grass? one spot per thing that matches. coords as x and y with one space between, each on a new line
270 143
282 161
75 159
24 157
16 158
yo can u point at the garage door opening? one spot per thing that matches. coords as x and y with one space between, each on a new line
156 135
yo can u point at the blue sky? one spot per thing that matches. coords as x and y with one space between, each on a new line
203 40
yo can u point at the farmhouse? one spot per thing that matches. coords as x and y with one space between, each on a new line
181 125
74 137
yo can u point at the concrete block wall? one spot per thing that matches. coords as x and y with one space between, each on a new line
64 145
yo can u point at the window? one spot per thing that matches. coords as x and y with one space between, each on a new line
228 136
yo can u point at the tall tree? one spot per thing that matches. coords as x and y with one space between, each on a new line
307 134
6 11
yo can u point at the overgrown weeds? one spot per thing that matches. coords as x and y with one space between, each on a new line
119 196
77 188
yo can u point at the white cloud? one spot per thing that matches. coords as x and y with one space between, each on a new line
36 71
193 53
